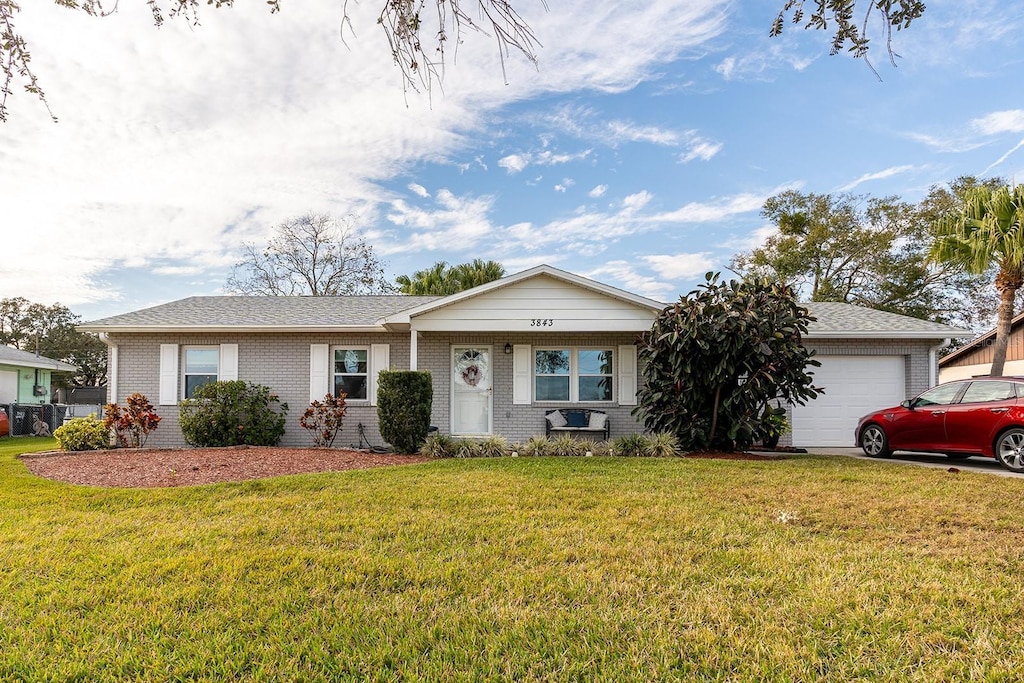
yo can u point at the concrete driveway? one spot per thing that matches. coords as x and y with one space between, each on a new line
977 464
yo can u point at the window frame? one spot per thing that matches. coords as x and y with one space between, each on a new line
574 374
185 374
365 348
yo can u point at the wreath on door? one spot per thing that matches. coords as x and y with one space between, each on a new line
471 367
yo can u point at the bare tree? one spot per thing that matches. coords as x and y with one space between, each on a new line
314 255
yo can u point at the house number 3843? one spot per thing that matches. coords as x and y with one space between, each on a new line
541 322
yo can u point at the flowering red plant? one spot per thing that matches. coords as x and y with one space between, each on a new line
133 423
324 418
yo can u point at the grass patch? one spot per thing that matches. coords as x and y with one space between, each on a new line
528 568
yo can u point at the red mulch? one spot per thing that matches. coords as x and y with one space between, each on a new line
155 467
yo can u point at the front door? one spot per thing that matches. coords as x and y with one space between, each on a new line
471 391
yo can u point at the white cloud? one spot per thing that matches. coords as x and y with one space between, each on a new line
702 149
598 191
1009 121
564 185
418 189
877 175
176 144
626 276
514 163
680 266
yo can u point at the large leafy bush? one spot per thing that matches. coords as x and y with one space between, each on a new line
231 414
713 362
83 434
404 400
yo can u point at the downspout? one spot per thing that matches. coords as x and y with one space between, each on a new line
933 363
111 368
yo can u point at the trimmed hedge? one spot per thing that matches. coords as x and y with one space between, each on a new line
404 400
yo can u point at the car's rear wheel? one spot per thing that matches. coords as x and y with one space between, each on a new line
1010 449
874 442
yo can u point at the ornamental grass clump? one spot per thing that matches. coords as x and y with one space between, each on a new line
632 446
439 445
324 419
133 423
83 434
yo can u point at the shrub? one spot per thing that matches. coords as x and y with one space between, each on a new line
632 446
133 423
600 448
404 399
83 434
566 446
714 359
439 445
493 447
663 445
536 446
324 418
231 414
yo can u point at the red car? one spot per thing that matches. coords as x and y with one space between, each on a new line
982 416
5 424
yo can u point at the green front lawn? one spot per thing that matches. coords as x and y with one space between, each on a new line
527 569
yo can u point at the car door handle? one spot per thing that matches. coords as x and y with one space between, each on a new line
938 412
998 410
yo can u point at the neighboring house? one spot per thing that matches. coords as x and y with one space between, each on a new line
25 376
974 359
501 355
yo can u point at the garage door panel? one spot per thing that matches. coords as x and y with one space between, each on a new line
854 385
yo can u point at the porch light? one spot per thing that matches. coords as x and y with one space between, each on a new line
508 348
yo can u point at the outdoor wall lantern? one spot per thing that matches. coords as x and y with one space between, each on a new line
508 348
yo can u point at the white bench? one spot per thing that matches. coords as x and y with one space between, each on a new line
573 420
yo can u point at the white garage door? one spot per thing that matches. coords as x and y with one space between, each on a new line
8 386
854 386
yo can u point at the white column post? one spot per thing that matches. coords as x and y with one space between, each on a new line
413 349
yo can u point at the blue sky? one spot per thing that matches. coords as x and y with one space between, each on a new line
638 152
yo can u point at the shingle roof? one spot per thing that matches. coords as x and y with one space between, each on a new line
26 359
847 320
314 312
260 312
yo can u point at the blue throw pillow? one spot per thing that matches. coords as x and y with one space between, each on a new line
576 418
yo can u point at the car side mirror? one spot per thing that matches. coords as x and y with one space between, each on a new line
908 404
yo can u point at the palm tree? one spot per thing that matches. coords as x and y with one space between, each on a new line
443 280
988 232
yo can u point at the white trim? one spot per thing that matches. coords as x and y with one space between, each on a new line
112 374
574 374
627 375
319 371
522 375
227 368
414 349
379 359
168 374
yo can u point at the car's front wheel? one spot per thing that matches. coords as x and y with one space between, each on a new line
874 442
1010 449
